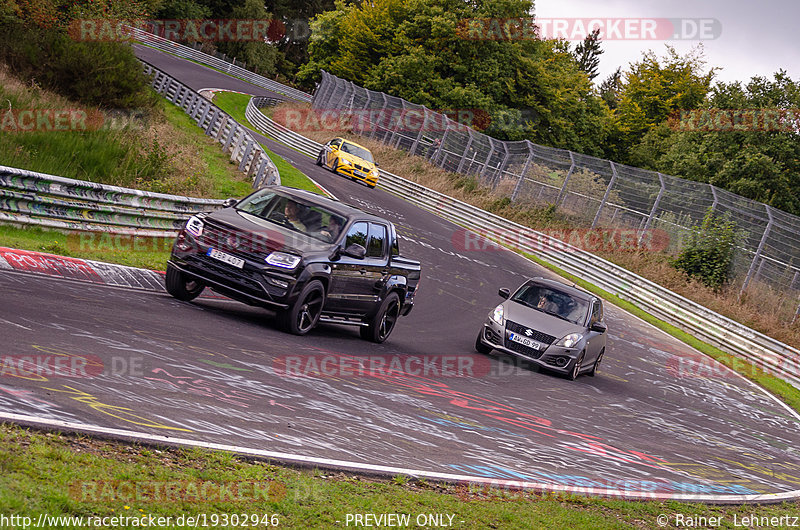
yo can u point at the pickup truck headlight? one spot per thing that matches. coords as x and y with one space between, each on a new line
497 315
194 226
570 340
283 260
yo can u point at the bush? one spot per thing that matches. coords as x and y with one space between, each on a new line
100 74
708 254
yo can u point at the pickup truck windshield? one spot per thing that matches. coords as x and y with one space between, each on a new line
311 220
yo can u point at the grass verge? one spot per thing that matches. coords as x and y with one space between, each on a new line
147 253
76 475
235 104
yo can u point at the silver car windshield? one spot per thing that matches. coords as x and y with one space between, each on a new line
553 302
308 219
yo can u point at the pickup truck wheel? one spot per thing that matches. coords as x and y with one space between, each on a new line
178 286
304 314
382 324
480 347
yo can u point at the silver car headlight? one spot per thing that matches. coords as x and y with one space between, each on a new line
497 315
570 340
283 260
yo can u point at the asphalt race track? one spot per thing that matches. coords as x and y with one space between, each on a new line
659 419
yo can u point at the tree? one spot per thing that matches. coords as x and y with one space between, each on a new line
656 87
611 87
440 54
588 52
763 165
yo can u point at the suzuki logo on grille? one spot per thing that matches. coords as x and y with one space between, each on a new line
528 332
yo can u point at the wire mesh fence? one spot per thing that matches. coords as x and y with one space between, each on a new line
596 191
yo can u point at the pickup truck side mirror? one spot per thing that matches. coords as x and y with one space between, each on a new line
356 251
505 293
230 202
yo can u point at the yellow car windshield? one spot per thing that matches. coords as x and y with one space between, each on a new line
358 151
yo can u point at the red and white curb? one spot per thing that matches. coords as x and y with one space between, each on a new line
80 269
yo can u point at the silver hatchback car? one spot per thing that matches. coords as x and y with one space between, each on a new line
551 324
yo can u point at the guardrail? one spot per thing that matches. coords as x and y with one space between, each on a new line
27 197
728 335
172 47
234 138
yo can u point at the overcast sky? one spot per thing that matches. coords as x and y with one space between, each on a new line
755 38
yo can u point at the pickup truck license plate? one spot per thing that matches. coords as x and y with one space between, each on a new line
530 343
225 258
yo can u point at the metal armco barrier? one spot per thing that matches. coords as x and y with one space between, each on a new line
770 355
186 52
233 137
27 197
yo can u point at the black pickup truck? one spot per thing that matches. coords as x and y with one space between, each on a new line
310 258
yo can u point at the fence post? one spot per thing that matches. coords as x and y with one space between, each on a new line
466 150
563 192
653 211
757 255
605 197
415 145
498 172
524 171
488 157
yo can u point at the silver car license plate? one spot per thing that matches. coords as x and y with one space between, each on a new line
530 343
225 258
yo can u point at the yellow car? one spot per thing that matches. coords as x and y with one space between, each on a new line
350 160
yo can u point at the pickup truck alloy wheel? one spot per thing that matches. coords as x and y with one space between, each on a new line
178 286
304 314
382 324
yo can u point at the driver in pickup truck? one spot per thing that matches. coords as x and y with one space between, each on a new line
292 213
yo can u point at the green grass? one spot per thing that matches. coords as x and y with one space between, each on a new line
235 104
63 475
223 176
146 253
